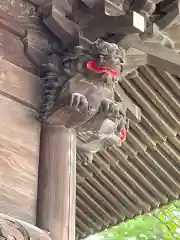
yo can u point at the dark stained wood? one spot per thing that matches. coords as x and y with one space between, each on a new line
19 84
138 4
19 153
123 25
11 26
95 3
55 17
19 229
40 2
57 182
18 12
56 20
23 43
20 132
156 54
36 46
13 51
19 23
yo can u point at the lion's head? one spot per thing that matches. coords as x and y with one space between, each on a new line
101 58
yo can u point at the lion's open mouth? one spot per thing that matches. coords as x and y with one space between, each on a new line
91 65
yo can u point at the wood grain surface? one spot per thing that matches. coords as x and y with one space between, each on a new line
19 84
19 153
57 182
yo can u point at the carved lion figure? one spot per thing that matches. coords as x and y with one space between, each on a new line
78 91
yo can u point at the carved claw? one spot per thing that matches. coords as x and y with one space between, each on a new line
108 107
78 101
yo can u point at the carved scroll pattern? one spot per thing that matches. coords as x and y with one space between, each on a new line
13 229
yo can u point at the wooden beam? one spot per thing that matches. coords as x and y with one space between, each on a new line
55 19
113 9
14 27
57 182
125 24
157 55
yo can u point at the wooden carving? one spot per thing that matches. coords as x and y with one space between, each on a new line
80 80
13 229
159 48
78 92
79 84
66 19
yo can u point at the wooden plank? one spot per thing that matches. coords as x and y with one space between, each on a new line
16 20
18 11
19 84
13 51
57 182
55 19
19 150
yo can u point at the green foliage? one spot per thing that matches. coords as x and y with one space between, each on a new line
162 224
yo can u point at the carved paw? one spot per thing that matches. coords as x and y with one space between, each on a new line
78 101
108 107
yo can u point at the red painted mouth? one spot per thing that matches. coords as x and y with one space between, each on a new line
123 135
91 65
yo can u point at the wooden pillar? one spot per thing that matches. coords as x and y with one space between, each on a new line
57 182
